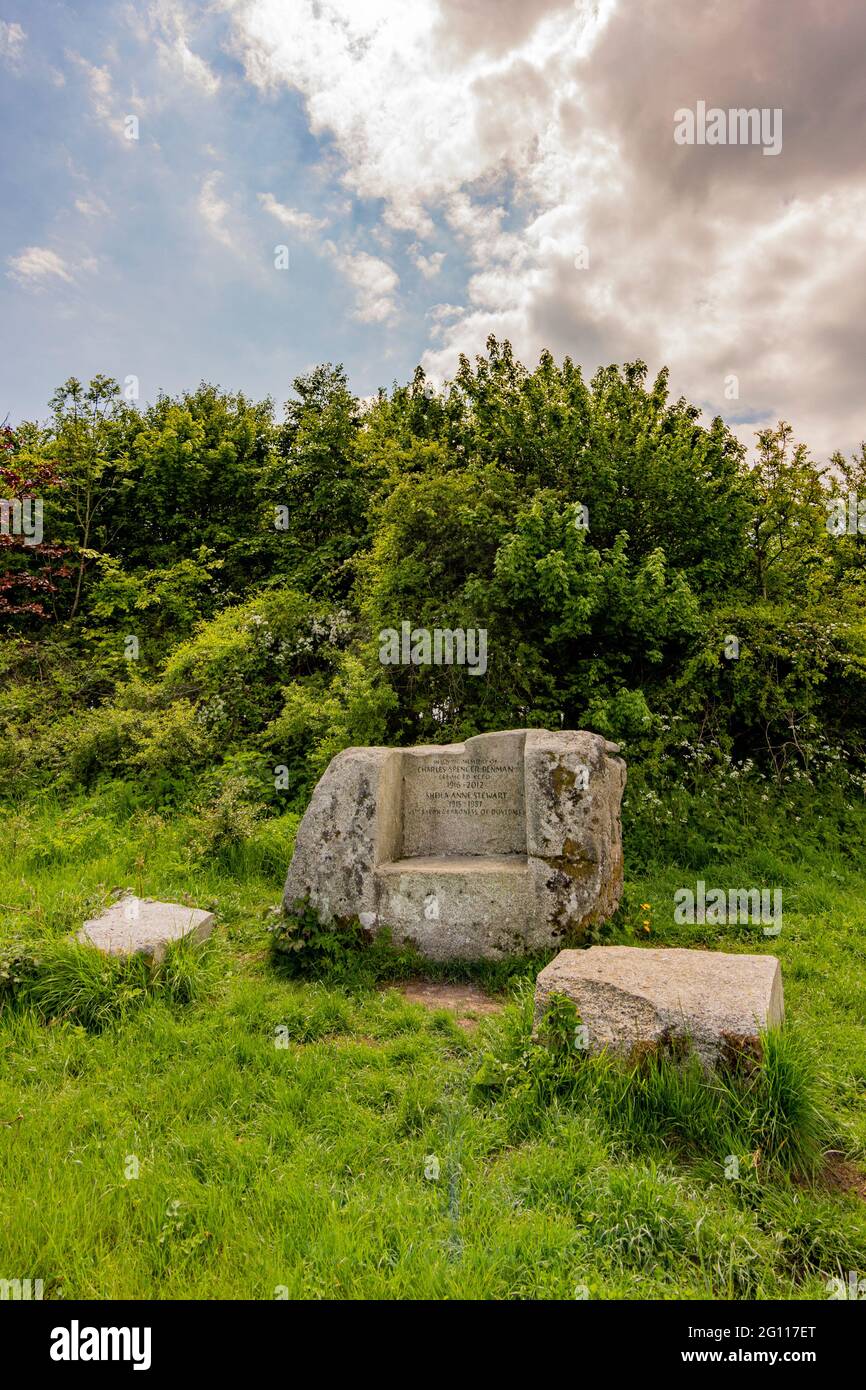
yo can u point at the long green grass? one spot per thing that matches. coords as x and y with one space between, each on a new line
216 1129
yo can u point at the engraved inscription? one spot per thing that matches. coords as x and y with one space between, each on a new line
458 805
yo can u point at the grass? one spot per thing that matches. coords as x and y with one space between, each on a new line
218 1129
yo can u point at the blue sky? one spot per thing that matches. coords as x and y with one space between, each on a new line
439 171
144 283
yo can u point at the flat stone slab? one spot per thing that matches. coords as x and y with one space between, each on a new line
136 926
631 999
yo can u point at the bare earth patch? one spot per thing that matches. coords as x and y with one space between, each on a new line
840 1175
468 1002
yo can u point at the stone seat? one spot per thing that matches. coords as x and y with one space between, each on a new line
474 901
501 845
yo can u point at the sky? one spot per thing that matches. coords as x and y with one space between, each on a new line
235 191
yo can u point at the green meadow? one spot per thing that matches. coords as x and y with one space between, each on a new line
219 1128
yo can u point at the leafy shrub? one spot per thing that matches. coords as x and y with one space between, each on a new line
557 1028
343 954
310 946
229 821
19 962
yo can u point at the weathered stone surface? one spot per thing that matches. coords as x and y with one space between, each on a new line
503 844
574 787
351 824
458 907
141 926
633 999
465 798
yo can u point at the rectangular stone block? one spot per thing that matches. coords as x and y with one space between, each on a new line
459 906
633 999
136 926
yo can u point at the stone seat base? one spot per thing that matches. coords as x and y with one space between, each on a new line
456 906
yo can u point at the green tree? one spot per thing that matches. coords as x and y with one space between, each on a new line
88 445
318 475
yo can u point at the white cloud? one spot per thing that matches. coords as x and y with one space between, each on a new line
194 68
104 102
374 282
302 222
429 266
37 265
535 128
215 211
440 312
91 206
402 121
171 24
12 39
100 86
165 26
